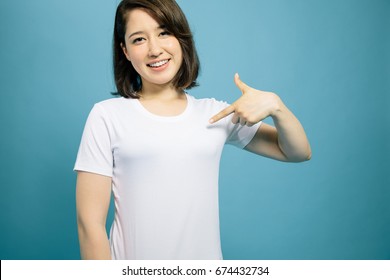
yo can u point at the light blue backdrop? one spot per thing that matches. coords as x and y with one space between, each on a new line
329 62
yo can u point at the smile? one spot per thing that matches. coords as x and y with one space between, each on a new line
158 64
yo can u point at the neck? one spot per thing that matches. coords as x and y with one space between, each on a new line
161 92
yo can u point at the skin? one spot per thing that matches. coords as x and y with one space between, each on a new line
146 42
286 141
93 192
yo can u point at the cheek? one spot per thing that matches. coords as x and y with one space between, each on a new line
135 54
174 46
136 59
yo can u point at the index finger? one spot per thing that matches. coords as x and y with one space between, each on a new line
224 113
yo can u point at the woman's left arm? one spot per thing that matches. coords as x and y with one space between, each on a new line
286 141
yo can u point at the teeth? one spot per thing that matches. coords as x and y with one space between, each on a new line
158 64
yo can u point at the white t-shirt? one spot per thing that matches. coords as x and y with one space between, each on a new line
164 175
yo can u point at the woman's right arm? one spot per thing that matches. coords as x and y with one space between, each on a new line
93 193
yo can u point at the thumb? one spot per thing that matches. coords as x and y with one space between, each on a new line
240 84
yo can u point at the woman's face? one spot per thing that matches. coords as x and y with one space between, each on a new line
154 53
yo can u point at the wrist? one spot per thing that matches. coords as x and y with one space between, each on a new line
277 107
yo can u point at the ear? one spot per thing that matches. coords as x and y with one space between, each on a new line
123 46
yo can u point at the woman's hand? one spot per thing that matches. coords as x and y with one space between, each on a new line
252 107
286 141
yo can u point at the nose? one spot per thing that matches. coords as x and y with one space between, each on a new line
155 49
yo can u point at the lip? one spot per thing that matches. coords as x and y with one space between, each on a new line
161 67
157 61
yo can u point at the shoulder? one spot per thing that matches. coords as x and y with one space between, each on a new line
109 109
113 106
208 103
111 103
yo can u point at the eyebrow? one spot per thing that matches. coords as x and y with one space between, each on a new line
135 33
141 32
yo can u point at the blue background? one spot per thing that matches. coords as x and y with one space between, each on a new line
329 62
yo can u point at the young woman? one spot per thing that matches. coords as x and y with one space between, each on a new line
157 148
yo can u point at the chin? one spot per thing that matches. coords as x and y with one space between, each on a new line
160 82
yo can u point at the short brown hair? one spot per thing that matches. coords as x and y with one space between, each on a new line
167 13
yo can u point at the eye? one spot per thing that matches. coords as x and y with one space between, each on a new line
137 40
165 33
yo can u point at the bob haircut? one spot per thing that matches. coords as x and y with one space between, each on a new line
165 12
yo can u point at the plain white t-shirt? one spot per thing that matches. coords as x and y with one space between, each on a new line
164 175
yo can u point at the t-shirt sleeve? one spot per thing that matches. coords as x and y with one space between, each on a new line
240 135
95 152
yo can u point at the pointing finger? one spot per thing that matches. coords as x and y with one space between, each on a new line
224 113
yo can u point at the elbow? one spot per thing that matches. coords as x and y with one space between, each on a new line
298 153
301 157
309 156
306 156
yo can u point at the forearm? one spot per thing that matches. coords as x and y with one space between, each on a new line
286 141
292 139
93 193
94 244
